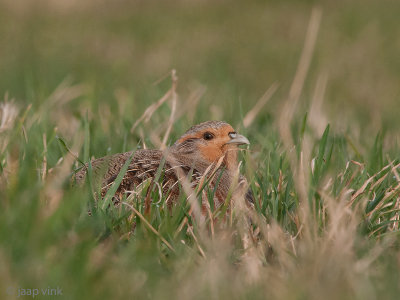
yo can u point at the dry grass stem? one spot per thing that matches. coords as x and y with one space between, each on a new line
252 114
316 118
8 114
150 110
300 167
187 188
147 223
44 168
53 189
171 121
190 230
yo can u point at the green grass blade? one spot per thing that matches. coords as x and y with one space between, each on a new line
114 187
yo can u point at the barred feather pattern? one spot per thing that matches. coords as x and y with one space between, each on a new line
144 166
185 155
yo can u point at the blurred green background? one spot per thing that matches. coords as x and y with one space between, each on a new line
89 69
236 49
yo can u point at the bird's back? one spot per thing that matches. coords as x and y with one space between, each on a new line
105 170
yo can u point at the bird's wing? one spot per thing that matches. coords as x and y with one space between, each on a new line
106 169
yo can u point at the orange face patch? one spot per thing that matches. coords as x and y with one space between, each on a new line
213 149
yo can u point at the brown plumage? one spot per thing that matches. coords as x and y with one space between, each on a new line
203 148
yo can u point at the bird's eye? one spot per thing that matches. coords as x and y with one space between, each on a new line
232 135
208 136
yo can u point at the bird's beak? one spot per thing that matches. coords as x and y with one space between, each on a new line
239 140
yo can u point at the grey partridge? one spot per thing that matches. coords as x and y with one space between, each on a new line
196 152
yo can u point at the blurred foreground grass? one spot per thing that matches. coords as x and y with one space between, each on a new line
327 197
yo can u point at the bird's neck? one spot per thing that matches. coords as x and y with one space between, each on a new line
186 160
231 159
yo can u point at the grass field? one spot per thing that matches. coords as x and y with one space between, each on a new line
314 85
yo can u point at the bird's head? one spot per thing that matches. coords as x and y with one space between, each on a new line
208 142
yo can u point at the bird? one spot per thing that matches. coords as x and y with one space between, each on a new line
206 150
